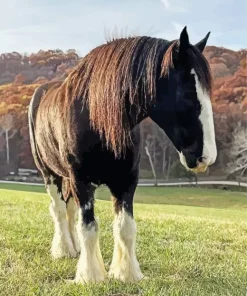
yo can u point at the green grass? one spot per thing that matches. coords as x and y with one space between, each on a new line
190 242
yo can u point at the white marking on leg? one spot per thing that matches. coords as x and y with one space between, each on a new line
124 263
207 121
88 206
90 266
72 215
62 245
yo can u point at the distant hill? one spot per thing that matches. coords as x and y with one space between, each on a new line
229 70
38 67
20 75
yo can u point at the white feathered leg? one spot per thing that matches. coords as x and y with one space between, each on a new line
72 215
124 264
62 245
90 266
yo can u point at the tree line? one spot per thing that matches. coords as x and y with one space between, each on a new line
20 75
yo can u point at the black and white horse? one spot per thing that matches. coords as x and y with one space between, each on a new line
84 132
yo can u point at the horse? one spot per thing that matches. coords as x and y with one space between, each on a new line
84 132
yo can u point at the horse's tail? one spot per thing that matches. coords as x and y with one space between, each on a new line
32 111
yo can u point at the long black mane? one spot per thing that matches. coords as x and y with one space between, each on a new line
120 69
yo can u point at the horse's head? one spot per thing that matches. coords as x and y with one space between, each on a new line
183 108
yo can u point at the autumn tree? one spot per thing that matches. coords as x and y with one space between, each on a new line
7 124
21 74
238 151
19 79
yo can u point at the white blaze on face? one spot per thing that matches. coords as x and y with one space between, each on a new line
207 121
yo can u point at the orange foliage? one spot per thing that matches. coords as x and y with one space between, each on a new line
230 79
15 98
20 75
19 79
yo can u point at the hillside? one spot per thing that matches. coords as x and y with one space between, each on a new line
21 74
228 68
40 66
230 78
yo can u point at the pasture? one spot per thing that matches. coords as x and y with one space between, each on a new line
190 242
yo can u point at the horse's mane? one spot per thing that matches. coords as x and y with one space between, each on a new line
124 71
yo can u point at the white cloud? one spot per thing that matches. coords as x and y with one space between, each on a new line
193 36
174 32
166 3
234 47
174 8
178 27
175 29
85 23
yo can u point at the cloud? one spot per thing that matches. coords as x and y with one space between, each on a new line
174 31
166 3
87 22
173 8
235 47
194 36
178 27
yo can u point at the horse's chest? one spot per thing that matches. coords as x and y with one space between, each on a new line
99 165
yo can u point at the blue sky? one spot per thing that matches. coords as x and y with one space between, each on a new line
30 25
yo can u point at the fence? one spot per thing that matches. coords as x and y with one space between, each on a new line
149 183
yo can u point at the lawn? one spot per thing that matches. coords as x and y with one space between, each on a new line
190 242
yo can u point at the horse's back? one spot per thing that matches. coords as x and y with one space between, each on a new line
37 96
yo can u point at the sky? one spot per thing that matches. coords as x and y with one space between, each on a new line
27 26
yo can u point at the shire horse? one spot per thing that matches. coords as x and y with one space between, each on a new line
84 132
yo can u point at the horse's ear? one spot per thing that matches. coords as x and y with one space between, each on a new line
180 51
183 41
201 44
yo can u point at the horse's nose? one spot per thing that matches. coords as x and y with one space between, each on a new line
201 159
204 160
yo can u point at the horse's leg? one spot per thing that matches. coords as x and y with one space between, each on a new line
62 245
124 264
72 214
90 266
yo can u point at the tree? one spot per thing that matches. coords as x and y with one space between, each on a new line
179 171
225 128
165 144
19 79
7 123
238 151
151 162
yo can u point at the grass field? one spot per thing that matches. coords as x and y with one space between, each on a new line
190 242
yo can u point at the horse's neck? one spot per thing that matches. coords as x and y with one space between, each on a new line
134 116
